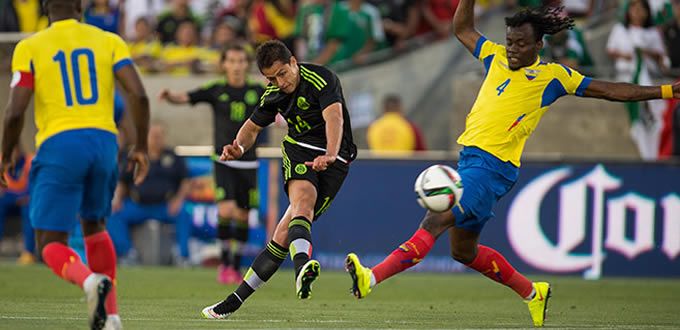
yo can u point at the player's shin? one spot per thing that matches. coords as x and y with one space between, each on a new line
300 238
405 256
65 263
240 239
101 256
224 234
493 265
262 269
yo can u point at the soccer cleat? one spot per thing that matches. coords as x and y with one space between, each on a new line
222 309
361 276
26 258
538 306
308 274
113 323
96 292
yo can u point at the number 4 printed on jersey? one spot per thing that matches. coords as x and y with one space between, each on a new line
501 87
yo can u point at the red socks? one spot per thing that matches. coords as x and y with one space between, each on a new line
494 266
406 256
101 257
65 263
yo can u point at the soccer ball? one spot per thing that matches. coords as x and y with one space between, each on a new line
439 188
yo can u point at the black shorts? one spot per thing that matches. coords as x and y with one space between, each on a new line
235 184
327 182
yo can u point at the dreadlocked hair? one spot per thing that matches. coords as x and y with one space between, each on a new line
544 20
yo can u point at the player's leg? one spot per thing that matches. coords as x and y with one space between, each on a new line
99 186
225 192
246 197
263 268
407 255
56 190
303 196
28 255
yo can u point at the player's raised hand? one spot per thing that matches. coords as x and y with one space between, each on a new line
232 151
321 163
138 160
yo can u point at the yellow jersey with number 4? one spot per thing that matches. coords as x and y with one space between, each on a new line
510 103
70 66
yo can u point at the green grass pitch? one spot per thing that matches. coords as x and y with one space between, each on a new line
168 298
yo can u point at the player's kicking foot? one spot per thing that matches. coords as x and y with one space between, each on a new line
96 289
361 276
308 274
538 306
113 322
222 309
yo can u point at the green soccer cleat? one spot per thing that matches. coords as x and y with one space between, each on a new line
303 282
538 306
361 276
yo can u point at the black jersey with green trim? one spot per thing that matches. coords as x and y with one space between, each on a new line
231 107
319 87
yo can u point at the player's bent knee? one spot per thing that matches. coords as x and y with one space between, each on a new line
464 257
437 223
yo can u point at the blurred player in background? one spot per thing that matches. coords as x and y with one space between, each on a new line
517 91
71 68
316 156
233 100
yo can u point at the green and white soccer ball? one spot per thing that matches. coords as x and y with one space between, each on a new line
439 188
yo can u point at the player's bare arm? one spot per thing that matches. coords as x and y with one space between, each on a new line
619 91
139 105
464 25
19 97
173 97
245 139
333 117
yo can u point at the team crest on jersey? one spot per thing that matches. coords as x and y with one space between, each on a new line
531 74
224 97
301 169
302 103
251 97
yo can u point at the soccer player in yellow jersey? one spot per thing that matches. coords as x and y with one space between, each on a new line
71 68
516 92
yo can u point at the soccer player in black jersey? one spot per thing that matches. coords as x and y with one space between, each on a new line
233 100
316 156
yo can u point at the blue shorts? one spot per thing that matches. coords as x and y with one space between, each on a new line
485 180
73 173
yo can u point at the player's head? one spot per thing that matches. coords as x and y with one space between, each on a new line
278 65
235 61
61 9
525 31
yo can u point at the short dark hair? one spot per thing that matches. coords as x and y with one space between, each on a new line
270 52
544 20
235 46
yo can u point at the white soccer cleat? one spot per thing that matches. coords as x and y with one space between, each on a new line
209 312
97 288
113 322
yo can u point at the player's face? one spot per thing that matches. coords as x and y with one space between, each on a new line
235 64
284 75
521 46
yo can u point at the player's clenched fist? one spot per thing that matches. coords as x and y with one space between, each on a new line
232 151
322 162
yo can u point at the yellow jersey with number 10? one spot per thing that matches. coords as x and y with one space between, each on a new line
72 66
510 103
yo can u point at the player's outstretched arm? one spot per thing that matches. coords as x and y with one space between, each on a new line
139 106
245 139
464 25
624 92
19 97
174 98
332 115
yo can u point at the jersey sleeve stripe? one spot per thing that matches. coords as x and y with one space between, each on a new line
583 86
310 79
478 46
122 63
315 75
